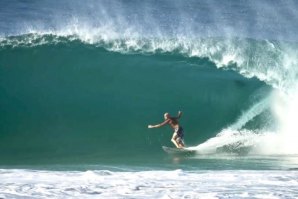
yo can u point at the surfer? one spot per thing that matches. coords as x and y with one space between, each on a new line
178 135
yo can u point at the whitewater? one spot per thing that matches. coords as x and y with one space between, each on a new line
148 184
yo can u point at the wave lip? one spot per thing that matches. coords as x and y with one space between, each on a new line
273 62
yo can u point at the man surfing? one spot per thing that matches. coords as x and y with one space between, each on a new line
178 135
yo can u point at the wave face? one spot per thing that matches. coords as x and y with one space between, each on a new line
66 97
86 87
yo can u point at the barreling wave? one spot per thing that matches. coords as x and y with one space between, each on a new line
272 62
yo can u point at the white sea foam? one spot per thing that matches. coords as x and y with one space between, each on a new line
229 141
280 140
148 184
276 64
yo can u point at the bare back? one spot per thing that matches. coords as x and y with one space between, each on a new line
173 122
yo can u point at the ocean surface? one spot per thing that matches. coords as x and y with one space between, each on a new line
80 81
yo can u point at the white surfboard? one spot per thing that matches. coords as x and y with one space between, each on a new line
177 151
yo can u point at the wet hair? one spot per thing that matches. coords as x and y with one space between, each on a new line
166 115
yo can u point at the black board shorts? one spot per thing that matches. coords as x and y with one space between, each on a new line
180 134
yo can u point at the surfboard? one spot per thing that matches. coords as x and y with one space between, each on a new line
177 151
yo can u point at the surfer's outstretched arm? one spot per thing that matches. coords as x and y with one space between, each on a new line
158 125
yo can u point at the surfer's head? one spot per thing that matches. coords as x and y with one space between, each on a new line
166 115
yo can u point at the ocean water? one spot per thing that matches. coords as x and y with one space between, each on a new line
81 81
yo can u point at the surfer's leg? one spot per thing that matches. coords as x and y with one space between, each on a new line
179 137
180 142
174 140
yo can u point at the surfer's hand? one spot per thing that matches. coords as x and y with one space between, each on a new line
150 126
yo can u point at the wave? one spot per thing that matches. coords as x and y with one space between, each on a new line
272 62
